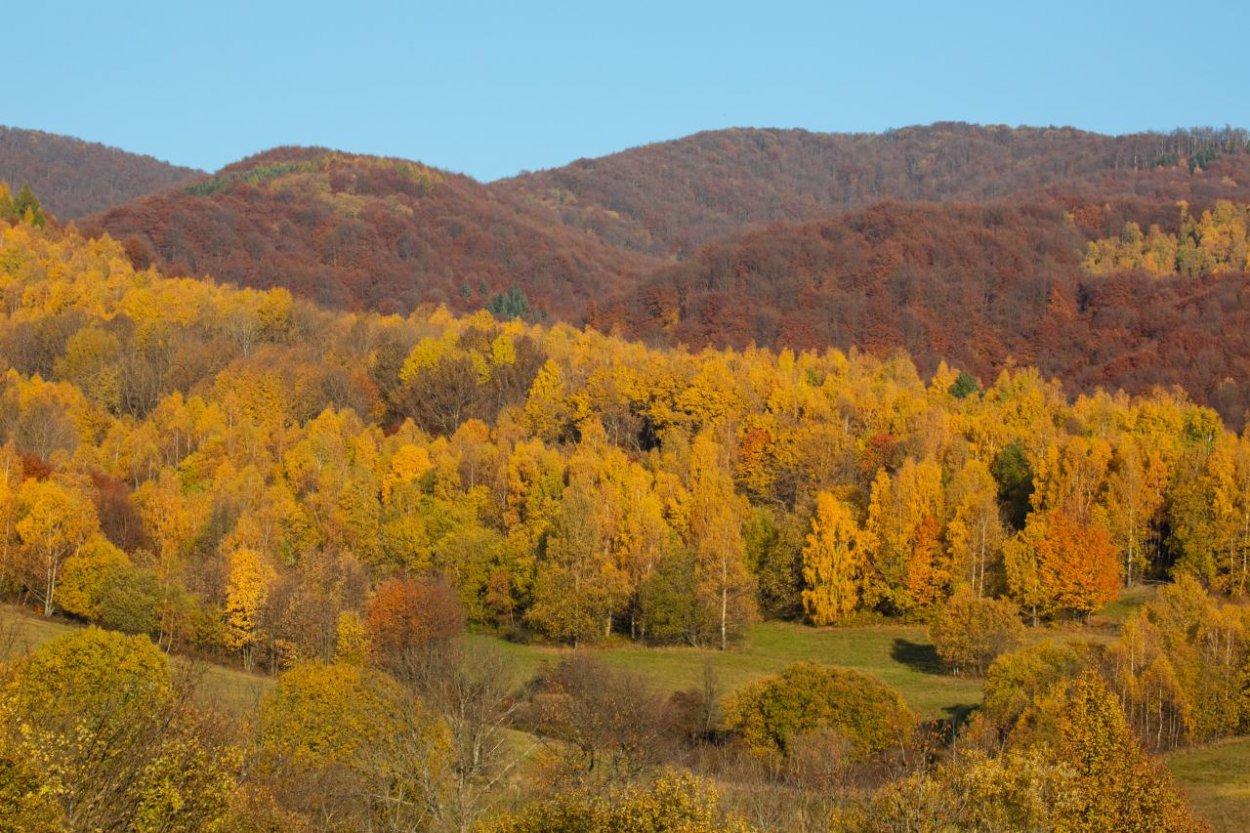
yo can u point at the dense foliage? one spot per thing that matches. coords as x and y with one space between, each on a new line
330 496
363 232
912 264
77 178
237 470
979 286
806 698
675 196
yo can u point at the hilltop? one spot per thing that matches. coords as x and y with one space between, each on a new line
367 232
675 196
74 178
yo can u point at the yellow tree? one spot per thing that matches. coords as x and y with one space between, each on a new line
409 463
57 520
577 587
632 518
1135 494
247 588
1071 476
1118 787
10 481
1229 475
725 588
92 361
833 562
172 519
909 568
975 532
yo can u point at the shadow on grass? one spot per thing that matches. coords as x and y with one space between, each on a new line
916 655
959 714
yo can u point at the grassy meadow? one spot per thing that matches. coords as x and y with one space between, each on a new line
218 684
1216 777
1217 780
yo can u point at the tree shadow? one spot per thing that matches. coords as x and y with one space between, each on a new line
916 655
959 714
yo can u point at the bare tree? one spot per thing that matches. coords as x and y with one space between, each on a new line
470 685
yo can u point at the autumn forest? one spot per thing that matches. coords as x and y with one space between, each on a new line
438 474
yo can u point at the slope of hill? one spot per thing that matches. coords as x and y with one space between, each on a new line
74 178
975 285
674 196
970 250
365 232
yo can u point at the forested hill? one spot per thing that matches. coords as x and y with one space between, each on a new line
332 496
367 232
979 286
956 242
74 178
670 197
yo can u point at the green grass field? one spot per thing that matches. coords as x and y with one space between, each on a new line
218 685
901 655
1217 779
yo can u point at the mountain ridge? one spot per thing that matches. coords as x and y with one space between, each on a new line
74 177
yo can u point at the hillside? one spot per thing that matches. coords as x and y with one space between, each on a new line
74 178
243 476
974 285
674 196
366 232
962 244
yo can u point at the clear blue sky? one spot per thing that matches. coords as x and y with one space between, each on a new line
491 88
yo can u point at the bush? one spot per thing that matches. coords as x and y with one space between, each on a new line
410 622
771 713
970 633
1025 681
676 802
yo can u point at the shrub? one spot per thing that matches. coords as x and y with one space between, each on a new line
1021 686
806 697
675 803
970 633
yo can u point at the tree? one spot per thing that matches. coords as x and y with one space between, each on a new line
1118 787
247 589
510 304
833 562
92 361
965 385
774 544
577 588
1022 686
1135 496
975 532
908 568
770 713
411 622
26 207
715 514
1057 563
57 520
1228 472
614 722
472 690
88 577
112 740
969 632
10 482
345 741
172 517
